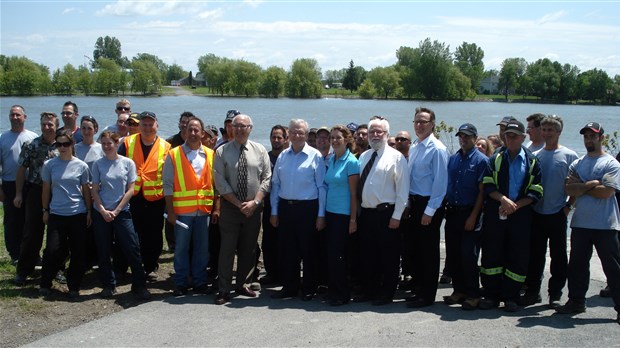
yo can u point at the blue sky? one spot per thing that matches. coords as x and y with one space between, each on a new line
54 33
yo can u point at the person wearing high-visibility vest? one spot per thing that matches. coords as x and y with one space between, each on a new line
512 183
189 195
148 151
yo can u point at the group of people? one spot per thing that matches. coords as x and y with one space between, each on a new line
350 207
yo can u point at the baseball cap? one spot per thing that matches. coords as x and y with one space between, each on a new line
231 114
312 130
516 127
593 126
212 128
505 120
322 129
467 129
352 126
148 114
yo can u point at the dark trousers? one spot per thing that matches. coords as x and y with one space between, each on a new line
215 240
121 231
337 233
32 239
406 252
13 220
380 253
169 234
148 221
425 241
270 243
608 250
505 252
462 252
552 228
298 241
65 236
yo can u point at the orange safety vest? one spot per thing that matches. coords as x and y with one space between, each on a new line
190 193
149 171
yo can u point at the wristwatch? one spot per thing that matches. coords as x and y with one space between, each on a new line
257 202
46 210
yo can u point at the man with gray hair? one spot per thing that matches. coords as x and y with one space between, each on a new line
298 197
242 173
383 187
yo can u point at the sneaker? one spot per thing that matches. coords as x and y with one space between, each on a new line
470 304
45 292
455 298
19 280
605 292
107 292
554 302
255 286
141 293
571 307
60 278
530 299
511 307
487 303
445 279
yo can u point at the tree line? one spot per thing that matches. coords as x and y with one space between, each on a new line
431 71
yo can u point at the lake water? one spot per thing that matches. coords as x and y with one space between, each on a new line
320 112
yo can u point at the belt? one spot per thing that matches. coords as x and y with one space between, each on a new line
458 208
296 201
382 207
414 198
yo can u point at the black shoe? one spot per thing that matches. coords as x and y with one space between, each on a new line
530 299
203 289
412 298
419 303
19 280
107 292
382 301
336 303
268 279
488 303
511 307
45 292
283 294
554 301
179 291
362 298
571 307
445 279
307 297
74 294
141 293
605 292
221 298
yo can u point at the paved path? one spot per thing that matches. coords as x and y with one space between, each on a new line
195 321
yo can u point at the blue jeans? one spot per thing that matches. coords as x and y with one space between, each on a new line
198 234
121 231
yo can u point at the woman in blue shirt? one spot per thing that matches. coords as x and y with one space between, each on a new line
66 212
341 179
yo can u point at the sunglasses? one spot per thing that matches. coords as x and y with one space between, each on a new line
65 144
132 123
401 139
123 108
66 113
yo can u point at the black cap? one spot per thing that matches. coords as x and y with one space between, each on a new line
148 114
231 114
505 120
516 127
593 126
467 129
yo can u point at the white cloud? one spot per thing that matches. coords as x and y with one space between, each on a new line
551 17
70 10
211 15
150 8
253 3
154 25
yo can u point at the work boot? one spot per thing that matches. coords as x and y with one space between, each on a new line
455 298
470 304
571 307
530 299
605 292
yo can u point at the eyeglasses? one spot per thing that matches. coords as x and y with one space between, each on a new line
123 108
376 132
401 139
421 122
132 123
120 122
64 144
242 126
67 113
15 114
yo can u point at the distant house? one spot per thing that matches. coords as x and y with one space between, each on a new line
198 80
488 85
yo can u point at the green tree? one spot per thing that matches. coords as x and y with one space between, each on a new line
332 76
568 82
385 80
65 82
468 58
458 86
22 76
510 75
146 77
594 85
353 77
431 64
108 78
110 48
272 82
218 72
85 81
406 58
366 90
174 72
247 78
543 79
304 79
161 66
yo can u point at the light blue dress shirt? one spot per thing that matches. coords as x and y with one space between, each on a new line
428 160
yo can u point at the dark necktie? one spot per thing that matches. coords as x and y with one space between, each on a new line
242 175
365 174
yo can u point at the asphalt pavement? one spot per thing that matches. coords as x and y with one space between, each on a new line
194 320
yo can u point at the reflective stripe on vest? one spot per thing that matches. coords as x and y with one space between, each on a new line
516 277
191 194
494 179
149 170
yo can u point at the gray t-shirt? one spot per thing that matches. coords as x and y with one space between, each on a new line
66 179
554 167
10 147
113 177
591 212
89 153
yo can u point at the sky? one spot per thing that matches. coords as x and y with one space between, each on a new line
54 33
